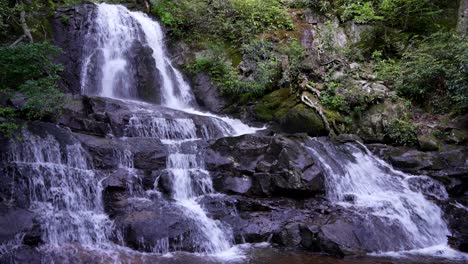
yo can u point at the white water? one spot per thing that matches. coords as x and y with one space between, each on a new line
367 184
116 29
63 190
188 176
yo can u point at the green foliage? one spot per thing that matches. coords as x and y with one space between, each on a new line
395 22
25 62
402 132
296 55
258 55
429 71
331 100
360 12
27 71
233 20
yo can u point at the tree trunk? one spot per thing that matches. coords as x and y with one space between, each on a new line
462 26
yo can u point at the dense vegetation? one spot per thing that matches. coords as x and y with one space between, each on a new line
403 37
28 79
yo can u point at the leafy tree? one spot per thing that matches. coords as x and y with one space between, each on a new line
28 73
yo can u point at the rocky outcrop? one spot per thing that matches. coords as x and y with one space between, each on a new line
207 94
264 166
69 27
271 187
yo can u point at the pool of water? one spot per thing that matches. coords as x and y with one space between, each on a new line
243 254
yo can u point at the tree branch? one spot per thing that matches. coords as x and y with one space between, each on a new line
306 100
25 27
17 41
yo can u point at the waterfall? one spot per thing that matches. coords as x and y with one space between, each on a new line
64 190
358 180
114 33
189 179
109 43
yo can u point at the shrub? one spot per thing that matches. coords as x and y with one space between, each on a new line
431 70
234 20
401 132
296 55
27 71
360 12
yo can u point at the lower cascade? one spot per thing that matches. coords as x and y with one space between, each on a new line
358 180
187 174
63 190
147 187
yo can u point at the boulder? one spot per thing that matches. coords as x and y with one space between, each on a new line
301 119
16 221
208 94
263 166
428 143
372 125
146 226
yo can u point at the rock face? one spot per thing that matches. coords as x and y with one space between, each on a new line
69 27
207 94
264 166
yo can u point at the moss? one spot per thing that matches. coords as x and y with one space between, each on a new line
302 119
428 143
274 104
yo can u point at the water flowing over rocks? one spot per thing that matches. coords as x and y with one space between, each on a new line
114 177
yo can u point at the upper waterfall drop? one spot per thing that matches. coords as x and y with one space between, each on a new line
115 34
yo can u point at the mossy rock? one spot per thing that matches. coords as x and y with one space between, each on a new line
373 123
292 116
457 136
274 103
428 143
301 119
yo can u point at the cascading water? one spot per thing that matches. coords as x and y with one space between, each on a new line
115 31
358 180
64 191
189 179
66 194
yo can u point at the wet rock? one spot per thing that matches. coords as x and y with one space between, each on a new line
456 213
447 165
16 221
147 225
22 254
117 180
239 185
148 81
345 138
